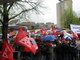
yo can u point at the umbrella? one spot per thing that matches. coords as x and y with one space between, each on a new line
68 38
48 38
59 31
38 34
50 31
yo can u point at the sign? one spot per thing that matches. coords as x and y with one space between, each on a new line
75 28
7 1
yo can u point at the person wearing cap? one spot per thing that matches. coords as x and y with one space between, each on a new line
47 52
66 48
73 50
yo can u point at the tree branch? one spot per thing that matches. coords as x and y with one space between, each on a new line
11 4
20 13
1 21
0 11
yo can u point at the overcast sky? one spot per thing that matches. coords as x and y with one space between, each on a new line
50 13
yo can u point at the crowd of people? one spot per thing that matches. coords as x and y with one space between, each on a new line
62 48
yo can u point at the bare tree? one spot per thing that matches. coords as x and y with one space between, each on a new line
12 10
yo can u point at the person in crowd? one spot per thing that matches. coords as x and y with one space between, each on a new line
38 38
73 50
65 49
78 49
38 55
58 50
46 49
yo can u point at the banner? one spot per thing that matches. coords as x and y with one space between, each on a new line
7 51
75 28
27 43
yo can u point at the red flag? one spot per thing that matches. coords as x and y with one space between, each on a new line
34 46
54 32
43 32
74 35
21 34
23 40
28 47
7 51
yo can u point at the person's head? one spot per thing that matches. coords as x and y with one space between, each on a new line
24 28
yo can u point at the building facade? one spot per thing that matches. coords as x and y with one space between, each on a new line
49 25
61 6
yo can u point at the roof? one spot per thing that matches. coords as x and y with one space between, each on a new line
13 21
27 23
